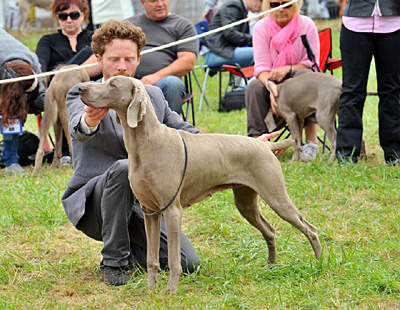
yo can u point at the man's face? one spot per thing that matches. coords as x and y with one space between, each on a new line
156 10
255 5
120 58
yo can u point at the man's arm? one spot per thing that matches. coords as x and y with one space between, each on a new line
180 67
92 71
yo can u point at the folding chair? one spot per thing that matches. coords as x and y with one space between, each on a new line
326 61
188 99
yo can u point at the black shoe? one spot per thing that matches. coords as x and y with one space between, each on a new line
115 276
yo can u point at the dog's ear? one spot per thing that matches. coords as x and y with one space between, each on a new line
137 107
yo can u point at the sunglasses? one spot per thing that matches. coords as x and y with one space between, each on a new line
276 4
73 15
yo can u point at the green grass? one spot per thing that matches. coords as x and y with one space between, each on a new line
45 263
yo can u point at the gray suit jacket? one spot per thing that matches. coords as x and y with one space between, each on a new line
93 154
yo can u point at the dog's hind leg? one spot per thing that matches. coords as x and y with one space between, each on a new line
58 147
173 218
296 132
63 118
45 124
328 126
284 207
152 225
246 202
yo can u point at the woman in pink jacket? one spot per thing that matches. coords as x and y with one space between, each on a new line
279 54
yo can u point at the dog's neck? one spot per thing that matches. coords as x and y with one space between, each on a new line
146 131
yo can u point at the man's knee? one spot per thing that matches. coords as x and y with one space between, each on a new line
119 171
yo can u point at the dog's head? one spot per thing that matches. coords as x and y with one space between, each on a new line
125 95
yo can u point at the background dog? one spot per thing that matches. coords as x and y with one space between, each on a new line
25 7
56 114
303 95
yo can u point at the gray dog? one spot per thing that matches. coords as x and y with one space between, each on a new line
303 95
56 114
177 168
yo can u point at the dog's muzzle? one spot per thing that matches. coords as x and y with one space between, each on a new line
82 89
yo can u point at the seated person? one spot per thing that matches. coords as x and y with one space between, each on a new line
18 98
278 54
166 67
69 45
233 45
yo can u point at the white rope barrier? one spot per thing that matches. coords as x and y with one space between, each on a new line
234 24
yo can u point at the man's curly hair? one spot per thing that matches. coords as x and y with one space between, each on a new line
114 29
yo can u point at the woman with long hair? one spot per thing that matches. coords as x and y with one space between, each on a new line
18 98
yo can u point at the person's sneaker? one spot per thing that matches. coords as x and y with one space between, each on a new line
115 276
15 169
309 151
65 160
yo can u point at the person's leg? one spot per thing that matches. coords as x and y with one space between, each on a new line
106 218
113 216
387 63
356 51
243 56
10 155
310 130
81 56
257 106
10 151
174 90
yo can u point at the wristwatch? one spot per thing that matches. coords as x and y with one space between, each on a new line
291 71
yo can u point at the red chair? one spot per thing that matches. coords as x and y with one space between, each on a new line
326 61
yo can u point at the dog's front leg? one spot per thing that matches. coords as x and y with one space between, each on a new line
152 225
296 132
173 217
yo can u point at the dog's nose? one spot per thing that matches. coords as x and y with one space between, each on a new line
82 89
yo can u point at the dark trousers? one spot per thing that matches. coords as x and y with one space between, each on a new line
114 217
357 50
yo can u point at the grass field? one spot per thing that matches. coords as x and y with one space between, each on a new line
45 263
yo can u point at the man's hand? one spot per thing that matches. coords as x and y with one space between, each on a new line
94 115
267 136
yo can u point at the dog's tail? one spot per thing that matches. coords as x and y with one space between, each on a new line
280 145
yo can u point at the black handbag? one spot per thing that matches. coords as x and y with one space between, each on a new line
233 100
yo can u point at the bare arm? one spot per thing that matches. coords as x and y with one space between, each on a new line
95 70
180 67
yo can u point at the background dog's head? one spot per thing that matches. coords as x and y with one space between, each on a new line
125 95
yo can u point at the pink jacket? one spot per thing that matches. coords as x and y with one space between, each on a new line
265 54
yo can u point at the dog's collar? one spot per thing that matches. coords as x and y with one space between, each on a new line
179 187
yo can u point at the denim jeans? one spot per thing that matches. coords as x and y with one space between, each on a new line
174 90
243 56
10 151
